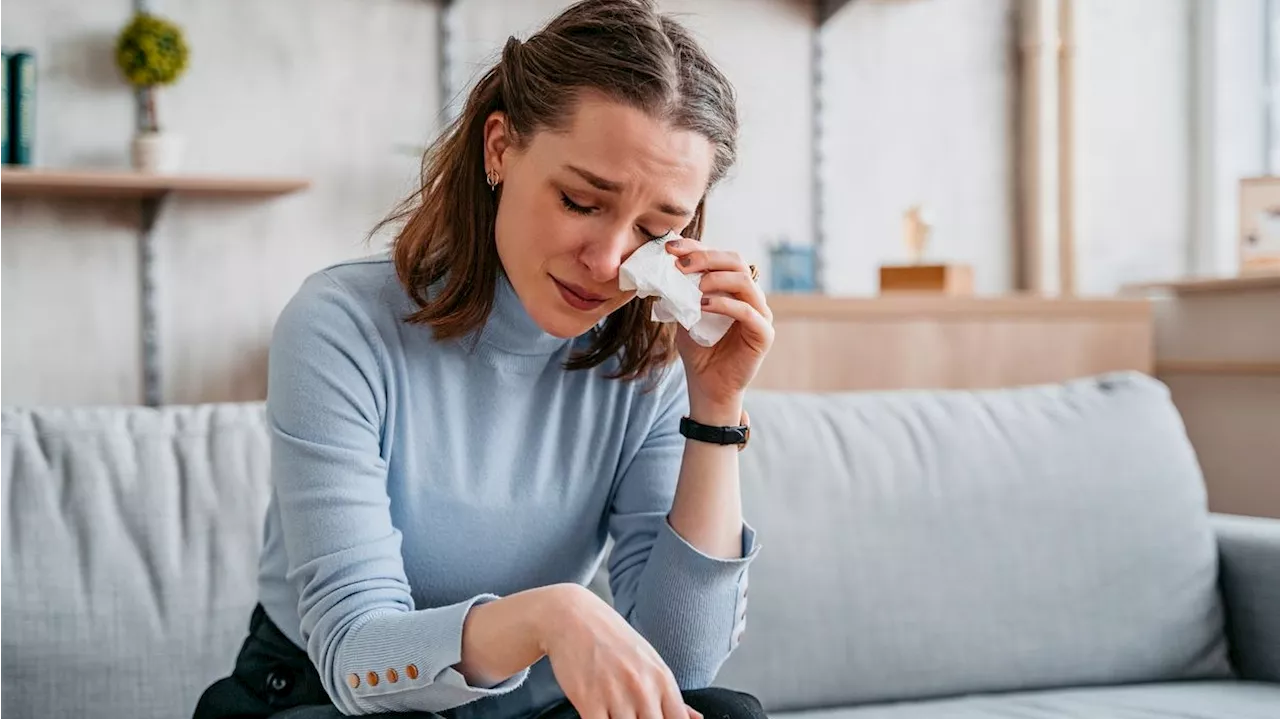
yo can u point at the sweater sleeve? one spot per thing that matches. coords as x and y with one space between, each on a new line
326 402
690 606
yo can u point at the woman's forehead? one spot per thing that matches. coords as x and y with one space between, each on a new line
623 144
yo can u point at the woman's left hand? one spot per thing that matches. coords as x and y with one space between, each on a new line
718 375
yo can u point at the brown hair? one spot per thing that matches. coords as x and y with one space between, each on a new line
624 49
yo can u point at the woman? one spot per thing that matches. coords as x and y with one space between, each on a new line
457 428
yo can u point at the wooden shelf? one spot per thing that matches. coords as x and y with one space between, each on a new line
1218 367
16 182
932 306
1192 285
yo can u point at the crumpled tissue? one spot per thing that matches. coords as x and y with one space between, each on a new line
651 270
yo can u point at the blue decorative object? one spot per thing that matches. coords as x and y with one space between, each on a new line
792 268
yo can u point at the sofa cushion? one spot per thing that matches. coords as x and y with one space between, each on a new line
1185 700
131 539
924 544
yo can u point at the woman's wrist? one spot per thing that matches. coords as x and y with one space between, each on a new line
558 604
716 413
505 636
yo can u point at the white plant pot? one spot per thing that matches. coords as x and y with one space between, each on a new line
157 152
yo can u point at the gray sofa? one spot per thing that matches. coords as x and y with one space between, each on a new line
1030 552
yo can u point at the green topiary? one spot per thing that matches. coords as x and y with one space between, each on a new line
151 51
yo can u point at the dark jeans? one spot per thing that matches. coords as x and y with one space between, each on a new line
274 679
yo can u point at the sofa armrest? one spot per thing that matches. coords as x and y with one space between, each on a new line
1249 574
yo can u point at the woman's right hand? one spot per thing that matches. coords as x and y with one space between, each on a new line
604 666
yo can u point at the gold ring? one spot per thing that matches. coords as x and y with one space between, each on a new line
755 273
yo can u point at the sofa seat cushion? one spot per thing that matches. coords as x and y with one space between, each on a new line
921 544
1177 700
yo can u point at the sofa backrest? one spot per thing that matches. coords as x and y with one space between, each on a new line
130 549
920 544
914 544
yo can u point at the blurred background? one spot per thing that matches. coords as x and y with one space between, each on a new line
1050 148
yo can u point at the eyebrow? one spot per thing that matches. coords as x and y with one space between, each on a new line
601 183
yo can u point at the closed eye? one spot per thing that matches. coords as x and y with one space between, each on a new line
574 207
577 209
649 235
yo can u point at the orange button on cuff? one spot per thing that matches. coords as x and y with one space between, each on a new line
411 671
393 676
353 681
372 678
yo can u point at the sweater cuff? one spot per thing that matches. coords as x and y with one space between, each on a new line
707 563
705 586
389 655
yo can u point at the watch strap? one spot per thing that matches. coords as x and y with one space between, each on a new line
711 434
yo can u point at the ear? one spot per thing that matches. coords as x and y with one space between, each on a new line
497 140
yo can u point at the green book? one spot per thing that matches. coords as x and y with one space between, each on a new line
4 111
22 112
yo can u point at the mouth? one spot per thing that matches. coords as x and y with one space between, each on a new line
577 297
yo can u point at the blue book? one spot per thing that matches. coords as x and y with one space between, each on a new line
4 111
22 111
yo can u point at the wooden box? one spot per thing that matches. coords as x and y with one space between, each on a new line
936 279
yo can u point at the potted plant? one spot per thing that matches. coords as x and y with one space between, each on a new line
152 52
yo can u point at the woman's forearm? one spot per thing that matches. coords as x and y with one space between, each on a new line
503 637
707 509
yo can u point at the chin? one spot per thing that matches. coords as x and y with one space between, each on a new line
568 327
566 331
564 322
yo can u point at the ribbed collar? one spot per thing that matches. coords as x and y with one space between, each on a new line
510 337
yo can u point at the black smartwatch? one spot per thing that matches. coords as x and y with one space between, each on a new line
710 434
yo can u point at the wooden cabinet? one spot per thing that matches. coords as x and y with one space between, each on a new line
925 342
1218 349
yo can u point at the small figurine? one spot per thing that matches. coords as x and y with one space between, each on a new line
916 227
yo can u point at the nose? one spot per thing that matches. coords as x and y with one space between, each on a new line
604 254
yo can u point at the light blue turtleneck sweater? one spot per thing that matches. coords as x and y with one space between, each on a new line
414 478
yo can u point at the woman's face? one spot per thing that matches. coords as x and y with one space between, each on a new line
575 204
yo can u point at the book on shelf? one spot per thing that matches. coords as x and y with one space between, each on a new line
19 107
4 110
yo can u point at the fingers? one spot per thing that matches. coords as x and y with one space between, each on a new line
694 713
652 708
673 706
647 697
756 330
738 285
724 272
696 257
609 671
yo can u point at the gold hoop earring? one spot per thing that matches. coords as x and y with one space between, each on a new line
491 177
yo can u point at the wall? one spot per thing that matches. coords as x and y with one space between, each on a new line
1133 153
325 89
68 291
919 109
920 103
920 99
1232 130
